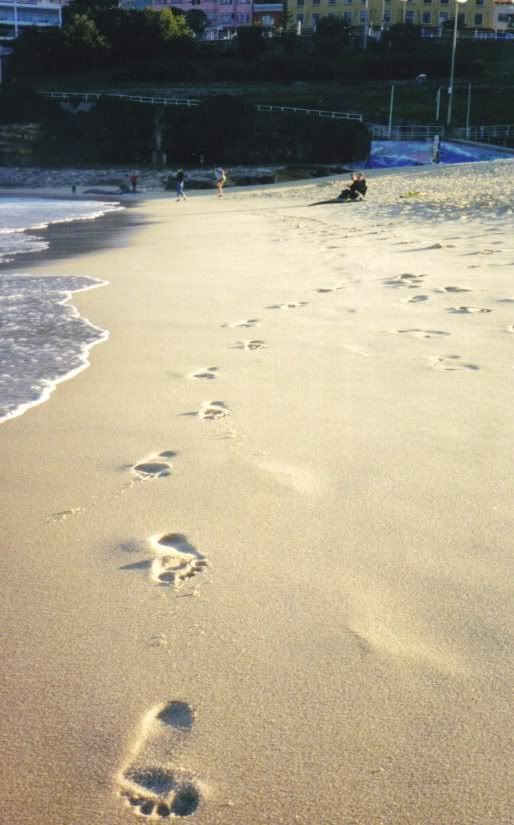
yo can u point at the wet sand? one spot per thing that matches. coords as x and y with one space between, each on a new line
257 559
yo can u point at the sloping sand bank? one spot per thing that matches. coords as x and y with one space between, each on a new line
257 557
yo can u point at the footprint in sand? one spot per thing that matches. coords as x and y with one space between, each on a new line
157 465
152 783
467 310
173 560
416 299
248 323
212 410
324 289
205 374
291 305
451 363
453 289
251 345
176 560
405 280
423 333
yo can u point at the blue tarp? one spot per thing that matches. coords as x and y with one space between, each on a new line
391 153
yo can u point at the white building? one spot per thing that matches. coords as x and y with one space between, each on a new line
15 15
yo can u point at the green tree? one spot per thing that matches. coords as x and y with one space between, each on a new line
250 42
332 34
84 44
90 7
197 20
404 36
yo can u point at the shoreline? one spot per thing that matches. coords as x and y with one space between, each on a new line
305 413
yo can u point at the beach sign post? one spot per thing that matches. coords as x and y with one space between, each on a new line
452 67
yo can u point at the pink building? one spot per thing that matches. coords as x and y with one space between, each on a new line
225 16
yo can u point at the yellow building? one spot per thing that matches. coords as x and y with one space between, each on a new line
431 14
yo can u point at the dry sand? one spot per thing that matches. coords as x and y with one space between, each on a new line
299 609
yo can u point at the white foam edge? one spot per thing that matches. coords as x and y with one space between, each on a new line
108 206
48 386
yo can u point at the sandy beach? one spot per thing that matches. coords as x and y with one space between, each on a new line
257 556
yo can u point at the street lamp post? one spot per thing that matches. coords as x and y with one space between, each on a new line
452 68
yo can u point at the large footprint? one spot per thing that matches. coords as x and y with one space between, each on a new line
150 783
249 345
467 310
212 410
176 560
155 465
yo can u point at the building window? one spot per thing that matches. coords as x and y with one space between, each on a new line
479 2
315 2
347 17
363 17
348 2
462 20
299 2
331 2
315 20
409 16
444 2
478 19
387 16
299 18
427 2
443 17
426 18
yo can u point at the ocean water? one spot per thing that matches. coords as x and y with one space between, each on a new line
43 338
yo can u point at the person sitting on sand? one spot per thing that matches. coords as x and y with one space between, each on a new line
356 190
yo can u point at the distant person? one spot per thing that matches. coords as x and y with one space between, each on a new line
179 184
220 177
73 188
355 191
133 182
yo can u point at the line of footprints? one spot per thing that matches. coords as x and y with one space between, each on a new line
153 783
409 281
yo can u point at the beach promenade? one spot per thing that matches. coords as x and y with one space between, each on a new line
258 556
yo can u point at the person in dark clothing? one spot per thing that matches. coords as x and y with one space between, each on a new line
355 191
179 184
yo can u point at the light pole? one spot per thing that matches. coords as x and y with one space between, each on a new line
365 28
452 69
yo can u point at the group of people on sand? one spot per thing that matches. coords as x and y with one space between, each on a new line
220 177
354 191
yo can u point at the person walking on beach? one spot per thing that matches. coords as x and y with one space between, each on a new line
133 182
221 177
179 184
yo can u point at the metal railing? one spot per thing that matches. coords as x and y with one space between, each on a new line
261 107
179 101
86 97
481 133
382 131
